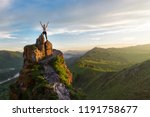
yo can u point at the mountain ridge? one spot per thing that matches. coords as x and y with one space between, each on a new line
114 59
92 79
130 83
97 77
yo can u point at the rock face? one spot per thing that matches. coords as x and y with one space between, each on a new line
44 74
48 48
34 53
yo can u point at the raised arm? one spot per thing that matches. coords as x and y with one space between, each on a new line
47 24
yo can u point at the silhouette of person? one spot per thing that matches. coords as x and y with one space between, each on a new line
44 26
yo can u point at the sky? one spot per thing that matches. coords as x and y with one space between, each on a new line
75 24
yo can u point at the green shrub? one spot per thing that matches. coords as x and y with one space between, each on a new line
44 91
76 94
58 65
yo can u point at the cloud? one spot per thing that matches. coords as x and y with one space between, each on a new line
95 39
134 12
116 27
6 35
104 28
75 20
75 29
4 4
125 30
66 31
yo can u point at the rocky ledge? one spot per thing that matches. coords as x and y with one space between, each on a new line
44 74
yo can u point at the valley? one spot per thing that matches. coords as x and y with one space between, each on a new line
105 73
113 73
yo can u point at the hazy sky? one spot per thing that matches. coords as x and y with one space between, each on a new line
75 24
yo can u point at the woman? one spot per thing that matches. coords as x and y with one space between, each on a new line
44 26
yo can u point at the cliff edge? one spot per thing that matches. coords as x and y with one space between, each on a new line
44 74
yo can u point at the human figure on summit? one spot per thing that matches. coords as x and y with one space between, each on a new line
44 26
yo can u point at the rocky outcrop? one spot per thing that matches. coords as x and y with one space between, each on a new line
34 53
48 48
44 74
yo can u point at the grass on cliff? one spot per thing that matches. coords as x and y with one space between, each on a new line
59 67
36 87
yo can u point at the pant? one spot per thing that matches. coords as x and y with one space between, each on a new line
45 33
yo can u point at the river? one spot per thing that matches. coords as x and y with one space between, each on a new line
15 76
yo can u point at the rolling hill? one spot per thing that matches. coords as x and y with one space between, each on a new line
114 59
111 73
73 55
10 64
10 59
130 83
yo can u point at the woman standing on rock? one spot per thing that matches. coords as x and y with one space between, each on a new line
44 26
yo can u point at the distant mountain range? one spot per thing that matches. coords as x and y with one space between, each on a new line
113 73
114 59
71 56
10 59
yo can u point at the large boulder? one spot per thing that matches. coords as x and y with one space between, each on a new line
40 42
36 52
48 48
32 54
